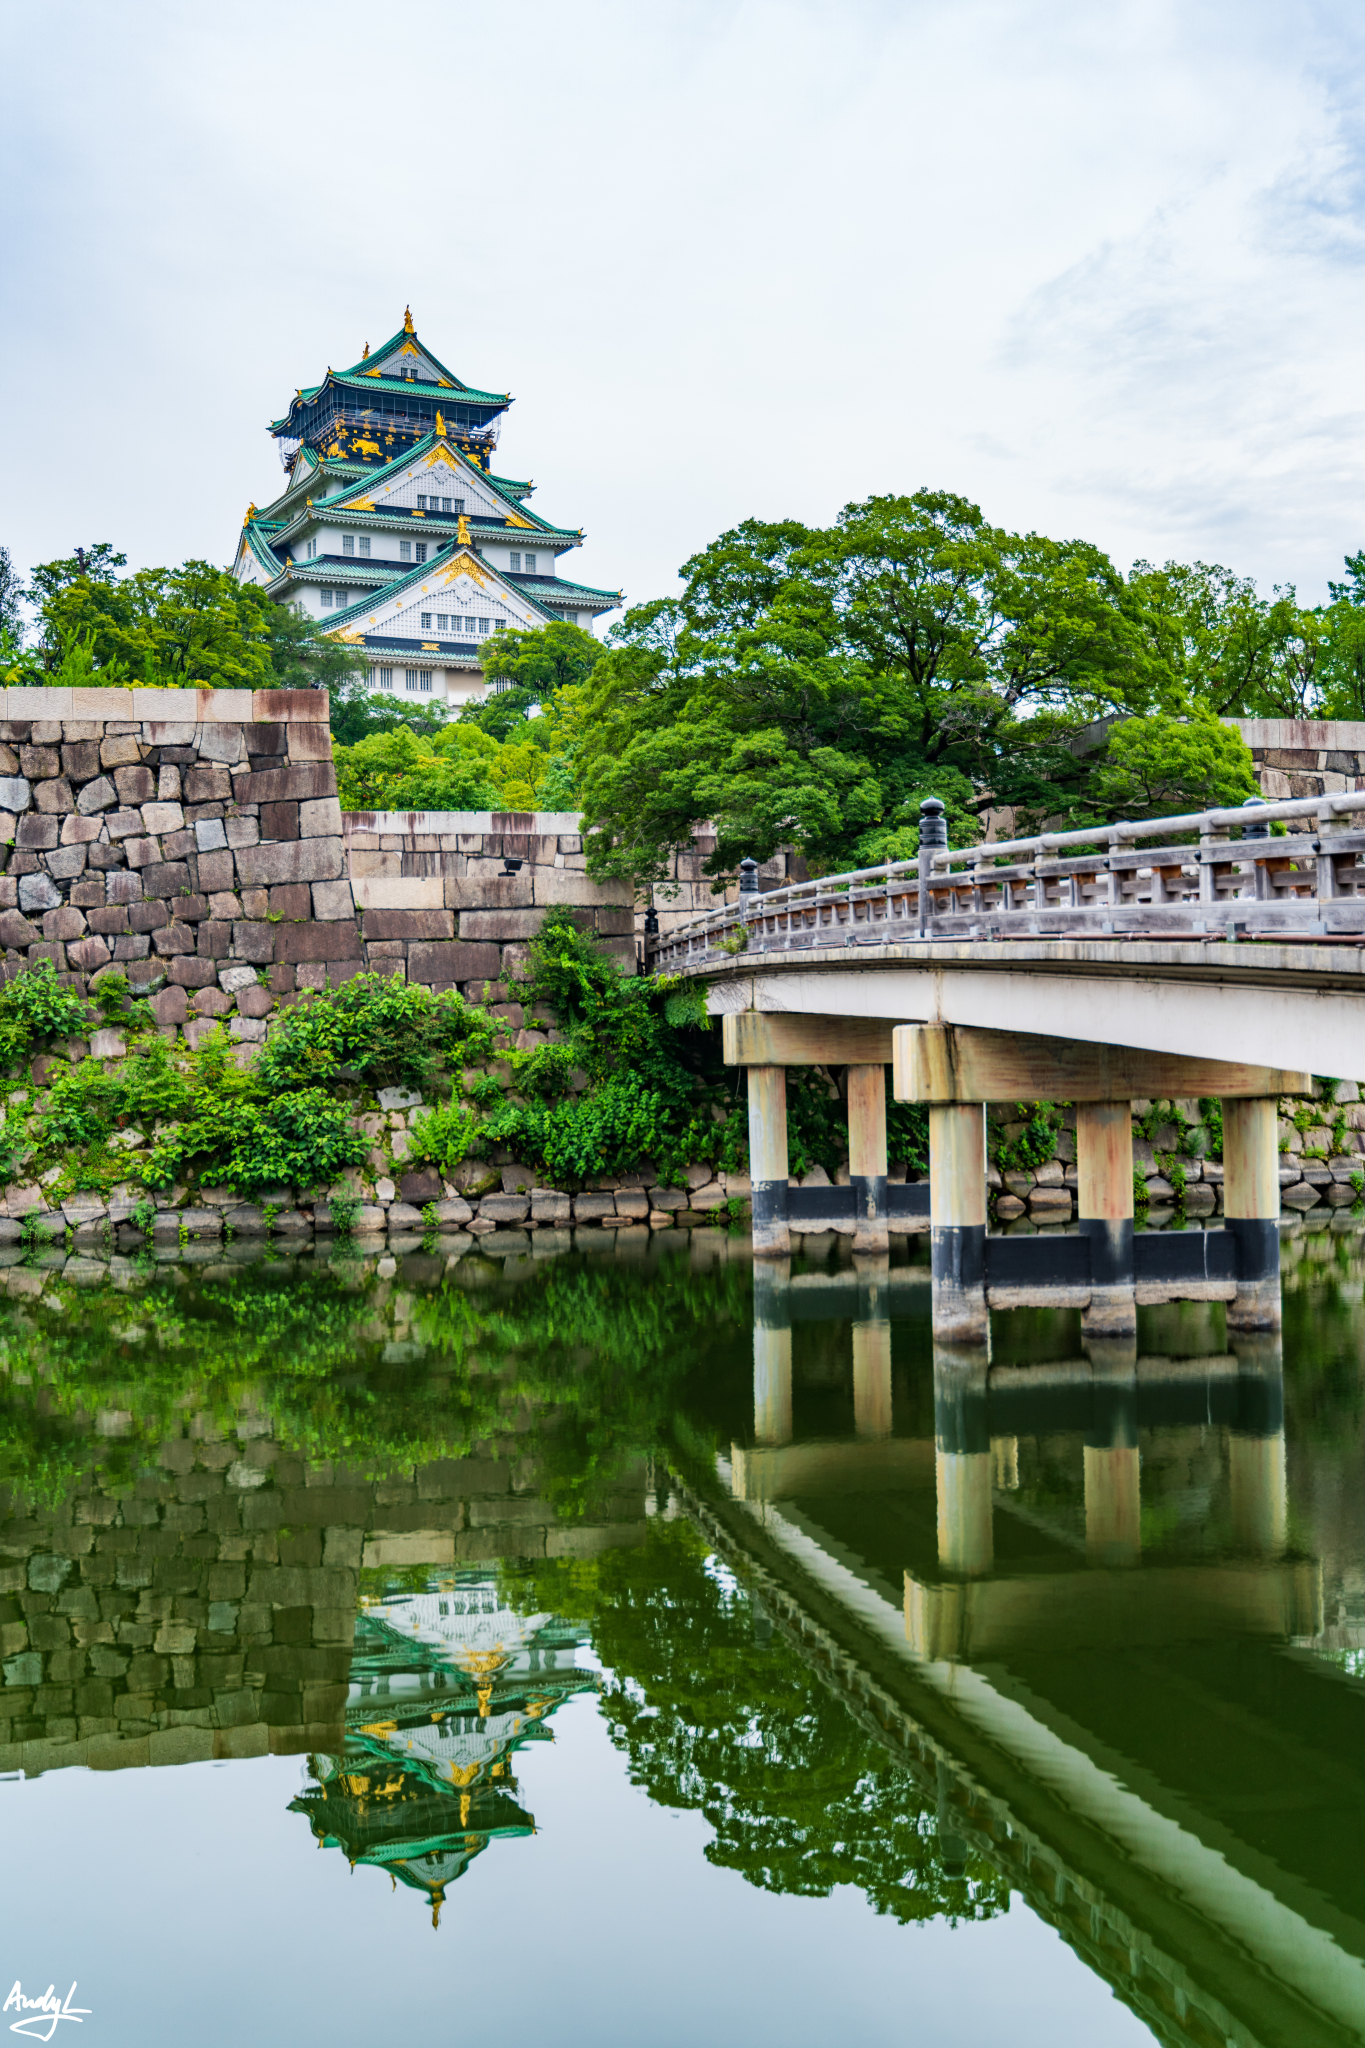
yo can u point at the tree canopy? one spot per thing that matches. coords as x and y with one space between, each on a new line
194 624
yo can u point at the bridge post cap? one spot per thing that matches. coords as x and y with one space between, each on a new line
933 824
1250 830
748 876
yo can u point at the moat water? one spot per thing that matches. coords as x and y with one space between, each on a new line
594 1644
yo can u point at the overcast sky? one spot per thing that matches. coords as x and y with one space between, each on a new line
1097 267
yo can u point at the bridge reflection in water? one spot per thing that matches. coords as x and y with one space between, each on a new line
1077 1611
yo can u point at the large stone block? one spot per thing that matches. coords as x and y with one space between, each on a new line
408 924
34 834
286 785
302 860
295 942
216 872
489 889
99 795
135 785
319 818
279 821
438 964
64 863
221 742
38 892
563 885
14 792
16 933
55 796
286 706
165 878
399 892
158 818
253 941
333 900
499 924
80 831
120 751
207 786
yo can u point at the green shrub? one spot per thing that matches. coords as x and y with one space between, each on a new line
34 1005
298 1139
1034 1145
376 1029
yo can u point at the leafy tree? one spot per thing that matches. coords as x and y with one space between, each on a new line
397 771
12 595
357 713
194 624
1158 765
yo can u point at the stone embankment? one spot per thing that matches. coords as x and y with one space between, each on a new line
1322 1161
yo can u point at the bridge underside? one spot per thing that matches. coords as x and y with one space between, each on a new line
1285 1006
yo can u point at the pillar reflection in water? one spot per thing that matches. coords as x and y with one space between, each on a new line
1256 1466
1113 1504
772 1352
872 1349
962 1459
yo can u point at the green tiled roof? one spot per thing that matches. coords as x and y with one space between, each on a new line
396 341
539 588
373 478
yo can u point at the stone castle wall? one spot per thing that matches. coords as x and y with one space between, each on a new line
190 838
1297 757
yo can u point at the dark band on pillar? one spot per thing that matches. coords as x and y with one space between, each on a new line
1256 1241
958 1254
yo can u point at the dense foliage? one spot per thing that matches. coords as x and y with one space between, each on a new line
810 686
195 624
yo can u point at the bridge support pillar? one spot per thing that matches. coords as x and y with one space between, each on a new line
1104 1158
1251 1204
768 1160
772 1354
867 1156
872 1350
1256 1465
962 1461
1113 1503
957 1215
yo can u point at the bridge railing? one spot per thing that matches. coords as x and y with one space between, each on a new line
1208 874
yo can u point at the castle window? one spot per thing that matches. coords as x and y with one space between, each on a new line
485 625
515 559
311 549
364 543
443 622
457 505
405 550
326 596
530 565
445 504
422 504
348 543
426 622
421 551
383 678
417 678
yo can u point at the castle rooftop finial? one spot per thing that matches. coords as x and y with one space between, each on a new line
408 327
364 353
440 425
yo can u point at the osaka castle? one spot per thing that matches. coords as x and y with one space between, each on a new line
394 532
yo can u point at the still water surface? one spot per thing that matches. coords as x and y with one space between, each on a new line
604 1647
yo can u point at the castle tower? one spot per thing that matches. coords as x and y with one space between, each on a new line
394 532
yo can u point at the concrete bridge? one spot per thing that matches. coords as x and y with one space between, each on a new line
1155 958
1137 1735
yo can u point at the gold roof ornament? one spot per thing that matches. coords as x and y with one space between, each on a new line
364 353
440 426
408 327
462 532
251 510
